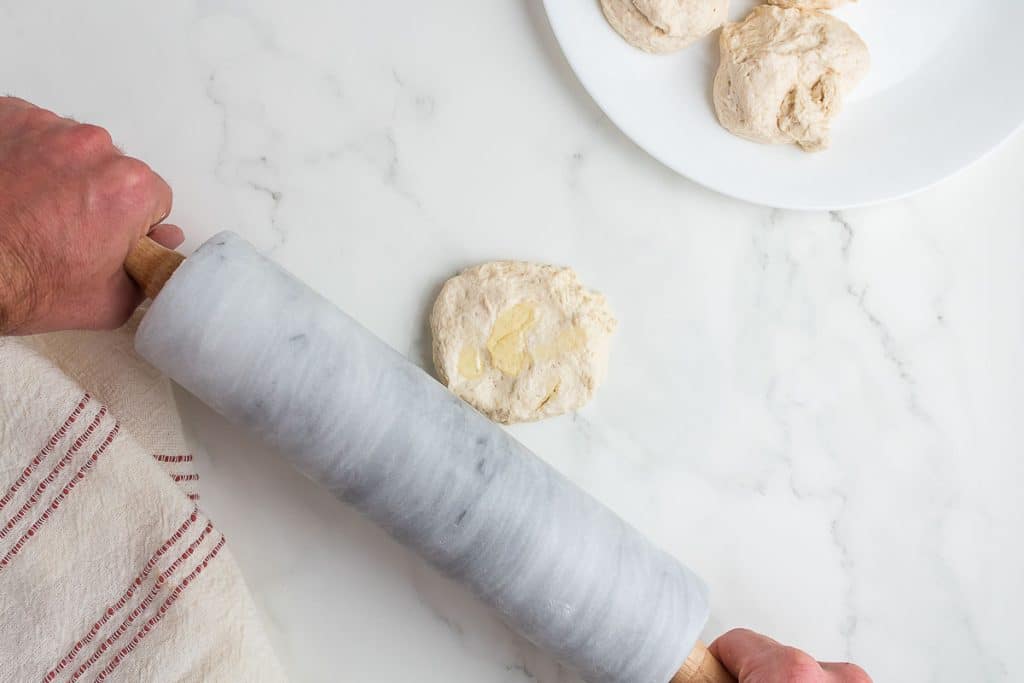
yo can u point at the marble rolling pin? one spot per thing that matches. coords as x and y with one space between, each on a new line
268 353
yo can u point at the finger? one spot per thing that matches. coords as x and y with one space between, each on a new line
170 236
137 197
163 199
739 649
76 145
158 197
845 672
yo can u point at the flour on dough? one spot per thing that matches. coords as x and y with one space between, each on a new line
810 4
521 341
784 74
661 26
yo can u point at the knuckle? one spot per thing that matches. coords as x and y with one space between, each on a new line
851 673
128 174
77 144
798 666
127 187
86 138
132 170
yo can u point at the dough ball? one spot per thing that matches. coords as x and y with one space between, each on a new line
784 74
521 341
810 4
661 26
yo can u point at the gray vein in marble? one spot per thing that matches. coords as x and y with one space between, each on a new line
782 410
772 229
424 104
848 627
380 151
982 657
575 168
522 670
222 108
846 237
275 199
392 177
891 352
274 194
453 626
261 29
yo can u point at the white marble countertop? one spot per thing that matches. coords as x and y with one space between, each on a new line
819 413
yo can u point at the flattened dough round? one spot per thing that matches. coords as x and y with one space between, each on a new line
810 4
521 341
660 26
784 74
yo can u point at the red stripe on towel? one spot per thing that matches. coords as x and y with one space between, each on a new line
50 445
155 619
142 606
172 458
79 476
123 600
61 464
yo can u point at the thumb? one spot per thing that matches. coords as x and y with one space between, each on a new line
167 235
845 672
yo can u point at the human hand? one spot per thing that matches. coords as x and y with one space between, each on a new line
753 658
71 207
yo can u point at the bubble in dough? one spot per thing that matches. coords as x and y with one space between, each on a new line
810 4
661 26
784 73
521 341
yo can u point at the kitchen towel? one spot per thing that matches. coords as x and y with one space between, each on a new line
109 570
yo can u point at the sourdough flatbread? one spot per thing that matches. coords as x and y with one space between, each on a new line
660 26
784 73
520 341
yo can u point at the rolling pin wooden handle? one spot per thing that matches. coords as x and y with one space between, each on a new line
151 265
702 667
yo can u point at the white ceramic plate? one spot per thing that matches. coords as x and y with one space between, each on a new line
946 86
